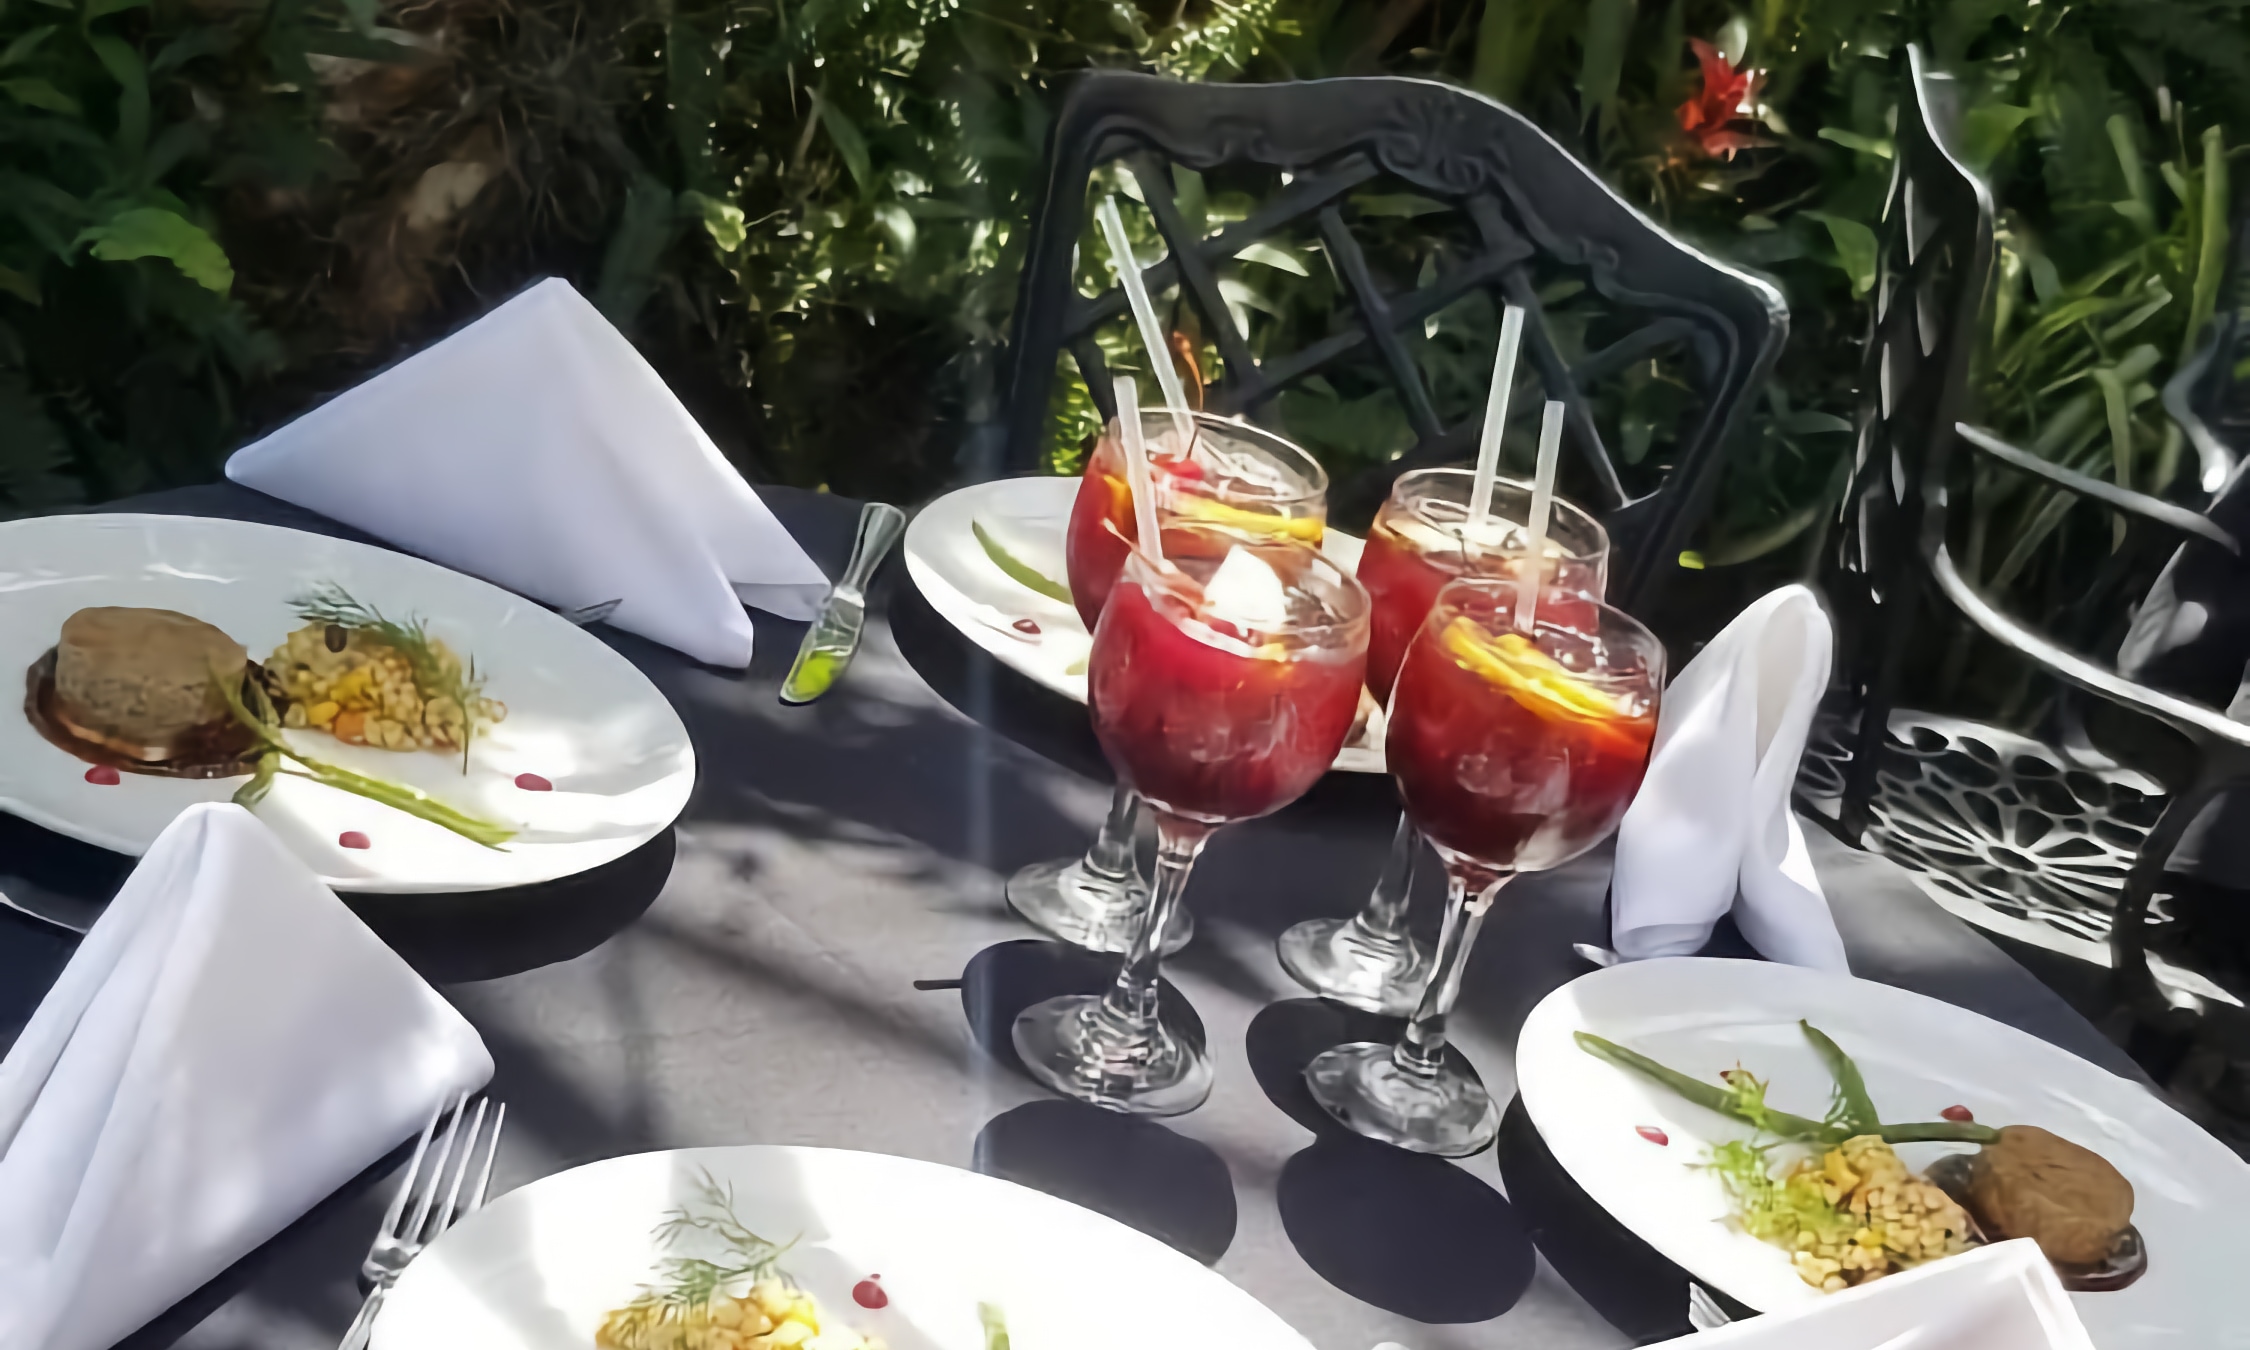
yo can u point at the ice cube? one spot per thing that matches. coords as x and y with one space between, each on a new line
1246 591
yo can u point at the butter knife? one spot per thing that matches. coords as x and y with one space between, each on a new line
834 636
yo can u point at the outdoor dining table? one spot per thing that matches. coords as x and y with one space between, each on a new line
786 966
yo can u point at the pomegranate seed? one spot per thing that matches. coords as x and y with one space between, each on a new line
1960 1113
104 775
354 839
531 782
1026 626
868 1294
1652 1134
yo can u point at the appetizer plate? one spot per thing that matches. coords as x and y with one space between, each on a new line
1028 518
539 1268
579 715
1919 1056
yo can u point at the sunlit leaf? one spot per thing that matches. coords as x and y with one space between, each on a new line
1273 255
151 232
1855 249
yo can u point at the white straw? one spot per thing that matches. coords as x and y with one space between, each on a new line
1144 316
1136 465
1534 567
1495 421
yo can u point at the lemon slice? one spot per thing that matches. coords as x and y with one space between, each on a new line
1205 510
1534 678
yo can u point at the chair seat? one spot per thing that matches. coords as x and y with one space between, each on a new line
2001 830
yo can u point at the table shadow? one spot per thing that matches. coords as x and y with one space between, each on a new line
1635 1289
1130 1168
448 937
1008 977
1411 1234
452 938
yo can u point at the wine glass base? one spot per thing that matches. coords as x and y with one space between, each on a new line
1449 1114
1340 959
1066 899
1069 1049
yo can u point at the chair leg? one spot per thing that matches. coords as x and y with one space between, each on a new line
1855 813
2128 939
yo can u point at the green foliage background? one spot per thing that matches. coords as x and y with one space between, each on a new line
809 213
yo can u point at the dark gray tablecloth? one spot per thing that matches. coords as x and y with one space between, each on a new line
757 985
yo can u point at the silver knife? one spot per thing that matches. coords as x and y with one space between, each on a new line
834 636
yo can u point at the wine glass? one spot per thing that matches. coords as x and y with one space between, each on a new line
1514 752
1419 542
1223 680
1226 473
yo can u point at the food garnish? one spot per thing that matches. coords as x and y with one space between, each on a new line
995 1326
1652 1134
101 775
371 680
1019 571
240 695
1850 1210
742 1300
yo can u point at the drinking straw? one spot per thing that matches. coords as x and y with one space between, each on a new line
1495 420
1144 316
1136 466
1534 567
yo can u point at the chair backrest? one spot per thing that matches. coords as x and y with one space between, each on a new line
1933 263
1529 206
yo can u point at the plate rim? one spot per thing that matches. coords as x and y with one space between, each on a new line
14 805
1550 1021
929 582
1190 1266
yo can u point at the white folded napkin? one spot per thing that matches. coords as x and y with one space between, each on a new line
227 1047
2001 1297
1712 820
536 449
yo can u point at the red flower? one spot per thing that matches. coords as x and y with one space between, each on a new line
1727 95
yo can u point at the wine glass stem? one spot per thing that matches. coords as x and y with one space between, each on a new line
1383 917
1128 1010
1421 1051
1111 857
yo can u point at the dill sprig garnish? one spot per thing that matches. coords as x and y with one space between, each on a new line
436 674
688 1282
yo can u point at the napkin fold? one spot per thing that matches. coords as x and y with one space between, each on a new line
2001 1297
1712 821
536 449
228 1046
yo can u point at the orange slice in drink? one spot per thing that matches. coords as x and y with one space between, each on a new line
1533 678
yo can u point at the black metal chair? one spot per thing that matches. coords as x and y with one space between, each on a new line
1529 205
1894 560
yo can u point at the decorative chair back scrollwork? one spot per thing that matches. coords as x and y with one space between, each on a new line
1527 204
1935 256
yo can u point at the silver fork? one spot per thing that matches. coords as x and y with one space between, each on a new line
1703 1311
585 615
446 1172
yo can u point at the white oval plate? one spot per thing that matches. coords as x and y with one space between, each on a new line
1028 517
1919 1056
579 714
538 1268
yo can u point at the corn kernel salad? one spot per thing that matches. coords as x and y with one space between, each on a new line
1846 1214
773 1314
368 680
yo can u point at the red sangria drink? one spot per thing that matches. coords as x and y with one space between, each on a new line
1514 752
1223 680
1218 473
1421 540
